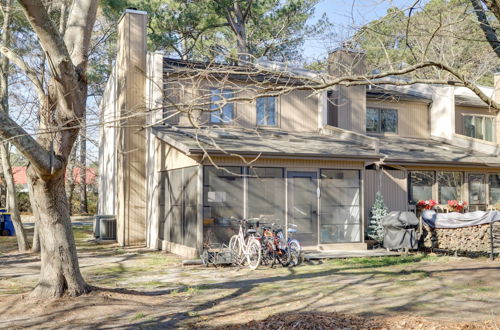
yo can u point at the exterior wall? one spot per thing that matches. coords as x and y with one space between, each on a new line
296 111
299 111
351 108
107 145
174 159
289 163
442 112
154 159
393 186
131 143
413 117
460 111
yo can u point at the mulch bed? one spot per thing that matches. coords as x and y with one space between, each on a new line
313 320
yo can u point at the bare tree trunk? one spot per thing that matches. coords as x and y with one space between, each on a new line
83 171
11 199
35 246
60 272
61 110
70 179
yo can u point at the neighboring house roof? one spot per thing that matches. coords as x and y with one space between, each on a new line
20 177
258 73
265 142
431 151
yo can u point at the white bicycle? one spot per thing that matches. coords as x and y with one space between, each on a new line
246 249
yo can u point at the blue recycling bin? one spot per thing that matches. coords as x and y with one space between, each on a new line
7 224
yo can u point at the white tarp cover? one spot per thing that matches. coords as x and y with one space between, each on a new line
459 220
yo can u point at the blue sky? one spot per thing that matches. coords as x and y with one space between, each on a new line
346 15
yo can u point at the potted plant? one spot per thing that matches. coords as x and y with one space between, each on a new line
457 206
426 204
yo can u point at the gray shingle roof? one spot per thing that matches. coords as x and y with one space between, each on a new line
393 149
267 142
411 150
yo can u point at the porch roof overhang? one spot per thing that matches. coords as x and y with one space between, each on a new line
267 143
431 152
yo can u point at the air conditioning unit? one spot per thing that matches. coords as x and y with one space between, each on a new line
105 227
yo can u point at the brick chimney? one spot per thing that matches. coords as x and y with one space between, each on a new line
347 104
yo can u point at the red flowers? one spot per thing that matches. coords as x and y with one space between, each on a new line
427 205
457 206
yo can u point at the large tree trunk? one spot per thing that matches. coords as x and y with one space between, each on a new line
60 272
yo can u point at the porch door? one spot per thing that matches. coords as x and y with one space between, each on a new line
303 205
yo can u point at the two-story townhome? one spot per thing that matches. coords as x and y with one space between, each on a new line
186 147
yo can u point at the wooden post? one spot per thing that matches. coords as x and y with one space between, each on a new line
492 255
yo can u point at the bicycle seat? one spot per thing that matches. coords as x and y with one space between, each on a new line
251 231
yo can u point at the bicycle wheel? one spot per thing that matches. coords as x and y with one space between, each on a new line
236 250
267 252
294 251
253 254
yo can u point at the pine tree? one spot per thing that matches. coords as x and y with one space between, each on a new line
378 211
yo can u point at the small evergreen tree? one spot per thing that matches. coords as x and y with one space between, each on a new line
378 211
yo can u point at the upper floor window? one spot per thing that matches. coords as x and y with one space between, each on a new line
479 127
381 120
221 113
266 111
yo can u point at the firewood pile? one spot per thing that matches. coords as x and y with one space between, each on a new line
467 239
320 321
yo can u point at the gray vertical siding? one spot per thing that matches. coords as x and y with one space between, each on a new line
393 186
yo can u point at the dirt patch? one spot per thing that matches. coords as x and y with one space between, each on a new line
141 288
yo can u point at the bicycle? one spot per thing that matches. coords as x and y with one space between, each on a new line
245 249
275 247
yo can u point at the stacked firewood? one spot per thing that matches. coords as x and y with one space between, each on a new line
466 239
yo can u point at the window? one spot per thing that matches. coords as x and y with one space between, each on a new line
266 111
266 194
340 206
494 188
381 120
479 127
420 185
225 114
477 189
449 186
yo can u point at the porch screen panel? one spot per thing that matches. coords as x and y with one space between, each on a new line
449 186
266 194
494 186
340 217
175 212
223 200
420 185
162 205
477 189
189 221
